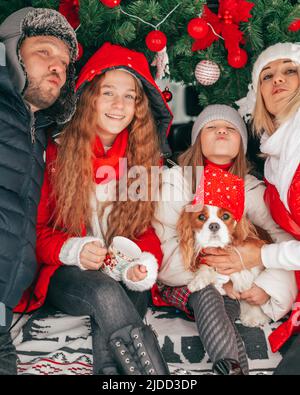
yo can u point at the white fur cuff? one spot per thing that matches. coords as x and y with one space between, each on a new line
150 262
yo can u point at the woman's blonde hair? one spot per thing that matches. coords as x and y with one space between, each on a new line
194 157
264 121
73 183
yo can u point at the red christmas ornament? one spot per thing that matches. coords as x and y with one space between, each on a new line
80 51
294 26
197 28
237 59
111 3
70 10
167 94
156 40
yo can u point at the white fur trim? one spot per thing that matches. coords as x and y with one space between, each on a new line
150 262
70 251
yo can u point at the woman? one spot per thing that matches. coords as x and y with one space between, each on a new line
80 209
274 101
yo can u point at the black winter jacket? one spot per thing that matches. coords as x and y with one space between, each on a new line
23 141
22 144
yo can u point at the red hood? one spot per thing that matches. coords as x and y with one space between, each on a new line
111 56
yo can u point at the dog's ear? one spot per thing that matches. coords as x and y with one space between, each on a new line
244 230
186 239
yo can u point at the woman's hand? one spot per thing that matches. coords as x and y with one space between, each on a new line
227 261
92 255
255 296
230 292
137 273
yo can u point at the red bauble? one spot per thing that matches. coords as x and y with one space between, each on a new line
167 94
237 59
197 28
80 51
294 26
111 3
156 40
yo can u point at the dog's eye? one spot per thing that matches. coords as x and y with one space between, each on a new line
202 217
225 216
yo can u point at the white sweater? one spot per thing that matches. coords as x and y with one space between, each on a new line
175 194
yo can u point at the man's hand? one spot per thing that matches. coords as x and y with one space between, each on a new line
137 273
92 255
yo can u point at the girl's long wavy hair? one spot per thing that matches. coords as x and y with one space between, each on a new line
73 183
194 157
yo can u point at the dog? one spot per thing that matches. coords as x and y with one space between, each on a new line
212 226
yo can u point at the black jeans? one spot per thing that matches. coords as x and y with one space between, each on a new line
8 355
77 292
140 300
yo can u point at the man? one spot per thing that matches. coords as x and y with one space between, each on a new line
37 50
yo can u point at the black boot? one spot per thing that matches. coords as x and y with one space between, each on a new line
137 352
110 370
228 367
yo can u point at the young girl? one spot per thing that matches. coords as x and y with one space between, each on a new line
78 214
219 138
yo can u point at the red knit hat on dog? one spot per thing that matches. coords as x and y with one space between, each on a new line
222 189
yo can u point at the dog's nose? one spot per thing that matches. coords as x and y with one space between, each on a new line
214 227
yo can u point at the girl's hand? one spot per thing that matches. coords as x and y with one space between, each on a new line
92 255
227 260
137 273
230 292
255 296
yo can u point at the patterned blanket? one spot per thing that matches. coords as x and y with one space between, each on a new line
51 343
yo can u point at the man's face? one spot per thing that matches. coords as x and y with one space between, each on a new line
46 59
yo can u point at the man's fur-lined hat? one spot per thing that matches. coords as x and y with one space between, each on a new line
30 22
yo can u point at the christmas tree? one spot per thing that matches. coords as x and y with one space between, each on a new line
232 34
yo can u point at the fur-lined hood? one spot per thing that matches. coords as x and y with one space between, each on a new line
110 57
29 22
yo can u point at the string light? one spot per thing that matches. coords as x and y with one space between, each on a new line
148 23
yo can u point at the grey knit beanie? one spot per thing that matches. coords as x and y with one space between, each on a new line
48 22
216 112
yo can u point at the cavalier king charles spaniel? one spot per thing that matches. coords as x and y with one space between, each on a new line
212 226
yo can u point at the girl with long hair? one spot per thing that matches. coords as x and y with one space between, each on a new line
273 103
81 210
219 140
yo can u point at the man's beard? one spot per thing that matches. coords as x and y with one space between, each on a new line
38 96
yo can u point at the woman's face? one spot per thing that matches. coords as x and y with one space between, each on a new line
279 80
115 105
220 141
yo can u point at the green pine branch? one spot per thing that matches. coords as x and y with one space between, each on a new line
269 25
